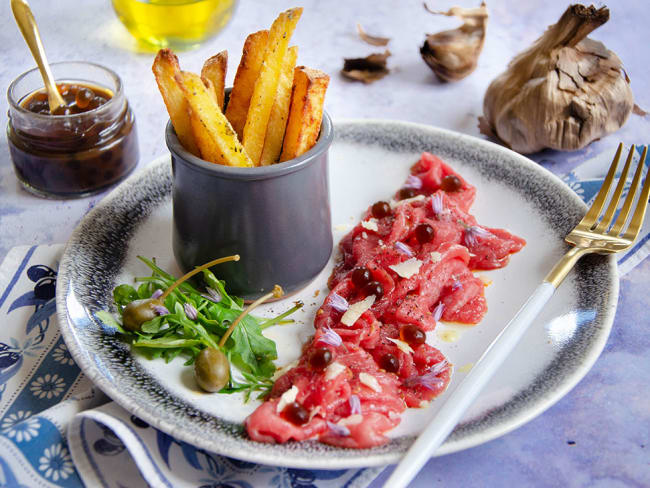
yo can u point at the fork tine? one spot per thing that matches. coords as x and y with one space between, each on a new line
613 204
629 200
639 213
592 214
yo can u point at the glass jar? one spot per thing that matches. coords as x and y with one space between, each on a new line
67 156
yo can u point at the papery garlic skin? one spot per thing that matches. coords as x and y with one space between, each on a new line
453 54
564 92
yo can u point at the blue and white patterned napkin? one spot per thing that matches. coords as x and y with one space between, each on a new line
586 180
57 430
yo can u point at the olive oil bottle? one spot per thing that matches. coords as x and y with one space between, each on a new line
179 24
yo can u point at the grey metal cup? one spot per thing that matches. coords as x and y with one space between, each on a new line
277 218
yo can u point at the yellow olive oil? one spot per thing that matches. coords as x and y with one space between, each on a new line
180 24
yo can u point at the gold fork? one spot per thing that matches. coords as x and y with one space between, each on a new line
594 234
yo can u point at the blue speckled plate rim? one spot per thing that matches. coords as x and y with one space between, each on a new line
541 394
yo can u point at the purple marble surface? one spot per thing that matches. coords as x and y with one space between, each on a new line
598 434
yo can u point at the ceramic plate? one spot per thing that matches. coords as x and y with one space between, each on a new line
369 160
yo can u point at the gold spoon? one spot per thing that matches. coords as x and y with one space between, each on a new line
29 29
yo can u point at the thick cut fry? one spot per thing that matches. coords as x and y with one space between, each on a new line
216 140
306 112
164 68
194 118
266 85
280 111
214 69
244 84
210 87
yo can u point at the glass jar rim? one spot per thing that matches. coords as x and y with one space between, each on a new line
117 94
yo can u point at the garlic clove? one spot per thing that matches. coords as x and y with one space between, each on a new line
563 92
368 69
453 54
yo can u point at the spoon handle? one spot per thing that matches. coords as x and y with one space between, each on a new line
29 30
468 390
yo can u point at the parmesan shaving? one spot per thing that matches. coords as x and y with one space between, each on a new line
333 370
402 346
417 198
436 257
313 413
370 224
370 381
356 310
280 371
407 268
351 420
287 397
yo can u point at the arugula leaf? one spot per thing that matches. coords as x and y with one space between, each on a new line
250 351
145 290
263 385
163 274
108 322
153 326
278 320
166 343
170 354
123 295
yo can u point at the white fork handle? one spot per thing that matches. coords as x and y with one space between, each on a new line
465 394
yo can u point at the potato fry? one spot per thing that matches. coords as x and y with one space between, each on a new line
247 73
164 68
214 69
266 85
280 111
215 137
210 87
194 118
306 112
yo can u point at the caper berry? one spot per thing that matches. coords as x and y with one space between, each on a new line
380 209
211 369
138 312
320 358
374 288
424 233
413 335
451 183
361 276
296 414
405 193
389 363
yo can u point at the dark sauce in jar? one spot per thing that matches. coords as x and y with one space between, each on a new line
86 145
78 98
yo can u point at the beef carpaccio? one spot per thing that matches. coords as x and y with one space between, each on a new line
404 267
